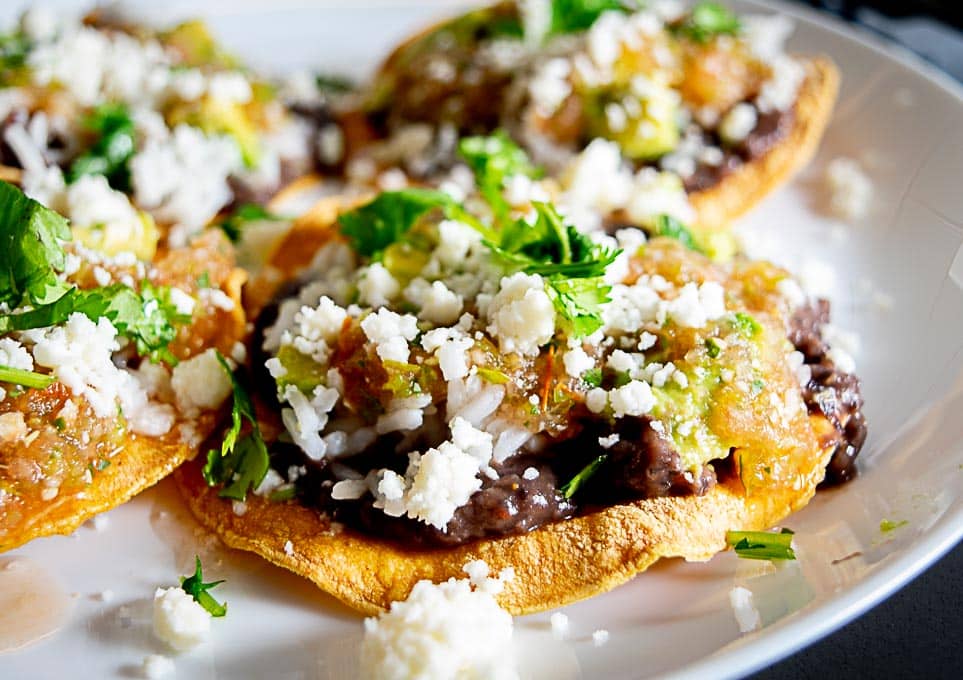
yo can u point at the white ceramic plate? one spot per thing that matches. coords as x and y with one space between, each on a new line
899 285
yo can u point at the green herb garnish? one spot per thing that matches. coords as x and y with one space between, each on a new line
762 545
493 159
593 377
666 225
888 525
714 347
31 255
579 302
384 220
572 16
148 318
571 487
19 376
242 462
112 150
331 84
234 223
196 588
709 19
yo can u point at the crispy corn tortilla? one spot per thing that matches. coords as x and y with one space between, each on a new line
139 464
738 192
741 190
554 565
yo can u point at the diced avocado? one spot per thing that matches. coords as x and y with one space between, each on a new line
140 240
197 46
641 119
684 414
302 371
215 116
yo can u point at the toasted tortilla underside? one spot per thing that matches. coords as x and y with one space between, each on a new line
554 565
141 462
739 191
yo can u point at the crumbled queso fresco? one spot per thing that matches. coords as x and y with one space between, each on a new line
467 355
198 131
453 629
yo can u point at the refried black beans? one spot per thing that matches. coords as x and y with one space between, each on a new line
770 129
832 392
638 465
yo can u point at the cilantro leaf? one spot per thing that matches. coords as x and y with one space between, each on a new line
14 47
112 149
195 587
19 376
550 247
593 377
493 159
571 487
666 225
30 251
384 220
579 302
762 545
708 19
241 463
571 16
234 223
147 318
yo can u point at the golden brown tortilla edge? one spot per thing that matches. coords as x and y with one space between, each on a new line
554 565
741 190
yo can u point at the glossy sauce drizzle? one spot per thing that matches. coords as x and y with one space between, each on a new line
33 605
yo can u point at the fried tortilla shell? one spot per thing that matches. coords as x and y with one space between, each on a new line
98 463
741 190
554 565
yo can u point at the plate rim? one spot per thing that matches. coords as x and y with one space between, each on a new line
804 628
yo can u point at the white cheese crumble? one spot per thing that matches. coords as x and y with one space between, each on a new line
738 122
560 625
179 621
747 616
851 191
521 315
577 362
391 333
600 637
156 666
183 179
445 630
635 398
200 383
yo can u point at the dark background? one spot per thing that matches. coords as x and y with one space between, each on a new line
918 632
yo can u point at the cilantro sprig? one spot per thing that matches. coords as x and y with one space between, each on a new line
571 16
709 19
242 462
572 264
31 255
493 159
112 149
666 225
387 218
195 587
233 225
571 487
19 376
762 545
